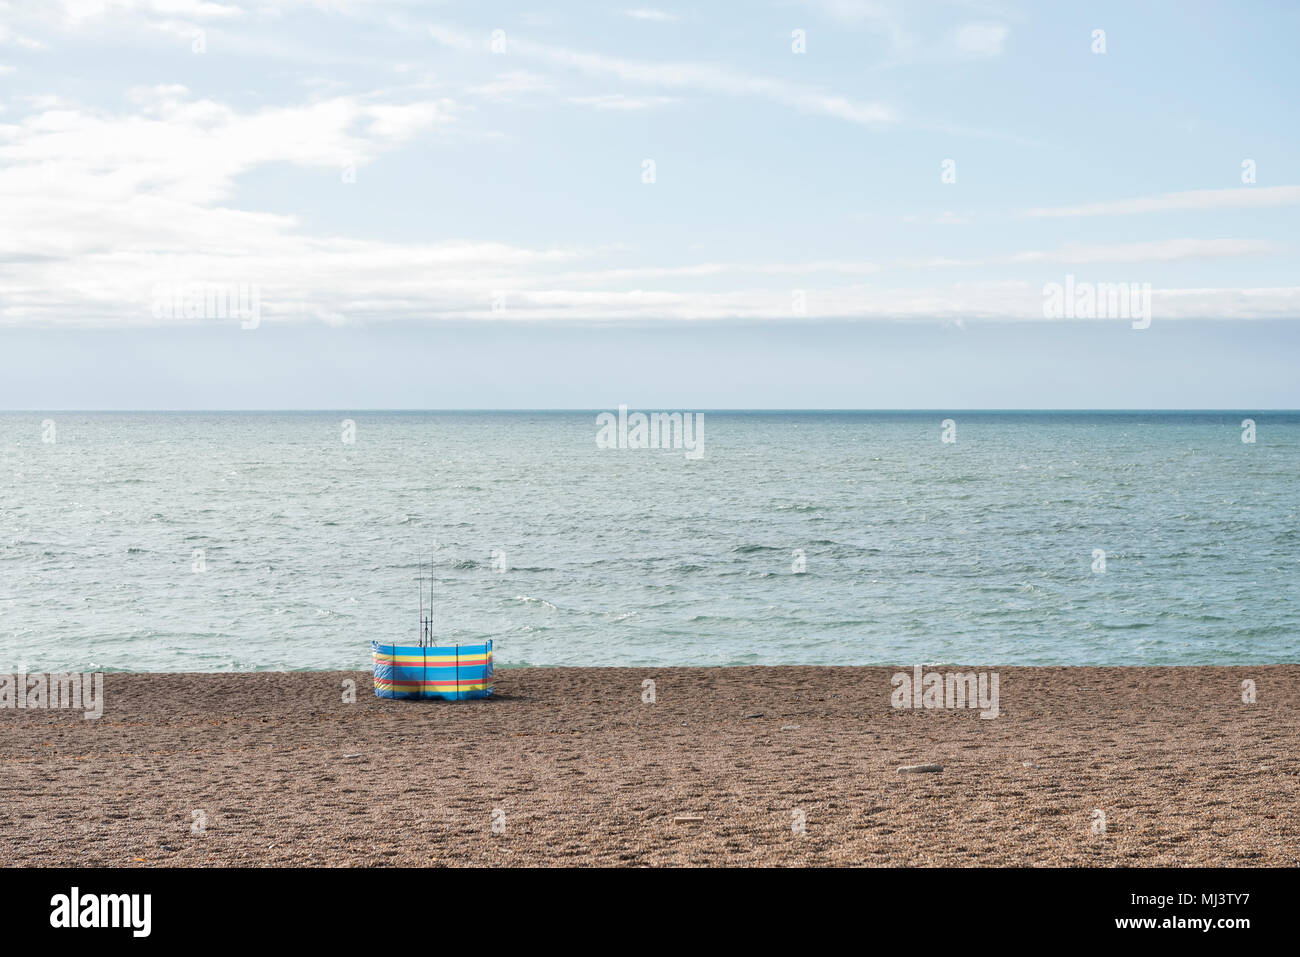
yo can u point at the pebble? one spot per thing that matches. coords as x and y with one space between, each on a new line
920 768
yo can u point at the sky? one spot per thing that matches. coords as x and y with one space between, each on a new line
792 204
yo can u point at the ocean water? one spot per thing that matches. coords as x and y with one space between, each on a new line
264 541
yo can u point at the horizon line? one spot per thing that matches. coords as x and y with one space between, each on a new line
733 409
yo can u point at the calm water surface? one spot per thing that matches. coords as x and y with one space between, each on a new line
913 550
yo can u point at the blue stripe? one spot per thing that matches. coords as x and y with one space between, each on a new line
416 673
466 651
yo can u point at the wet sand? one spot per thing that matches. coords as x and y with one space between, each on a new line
573 767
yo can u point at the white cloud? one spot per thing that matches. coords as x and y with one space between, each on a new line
396 122
1020 301
8 37
980 39
649 13
1165 250
101 205
107 206
192 149
1172 250
704 77
883 18
908 44
511 85
1244 197
620 101
79 12
453 39
946 218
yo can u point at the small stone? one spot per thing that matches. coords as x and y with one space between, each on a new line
1031 764
756 714
789 727
920 768
688 819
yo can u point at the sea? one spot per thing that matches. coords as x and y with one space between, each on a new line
256 541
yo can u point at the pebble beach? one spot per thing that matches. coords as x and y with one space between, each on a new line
790 766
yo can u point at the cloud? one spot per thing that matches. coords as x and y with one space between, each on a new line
703 77
99 206
511 85
883 18
1171 250
106 207
888 19
980 39
453 39
1165 250
8 37
78 12
1244 197
1021 301
102 207
622 102
656 16
946 218
185 150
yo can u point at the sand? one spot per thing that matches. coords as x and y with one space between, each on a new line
568 766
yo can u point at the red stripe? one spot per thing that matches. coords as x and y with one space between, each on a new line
426 684
436 664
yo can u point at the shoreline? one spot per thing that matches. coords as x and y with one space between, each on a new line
569 766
